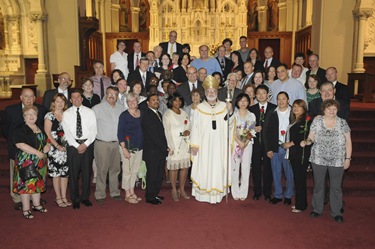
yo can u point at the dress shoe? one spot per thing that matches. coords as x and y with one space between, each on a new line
116 198
339 219
287 201
18 206
267 198
160 198
100 201
314 214
275 200
87 203
294 210
256 197
154 202
76 205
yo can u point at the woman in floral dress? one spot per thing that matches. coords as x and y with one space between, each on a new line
177 130
57 157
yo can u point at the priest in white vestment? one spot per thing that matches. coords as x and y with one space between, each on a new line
209 147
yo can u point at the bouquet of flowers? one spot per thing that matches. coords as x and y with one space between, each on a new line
246 131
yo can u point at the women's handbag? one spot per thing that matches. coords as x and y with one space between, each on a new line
28 172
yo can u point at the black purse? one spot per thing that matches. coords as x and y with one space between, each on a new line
28 172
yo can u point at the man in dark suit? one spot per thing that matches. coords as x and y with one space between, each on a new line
327 91
248 68
155 149
225 63
13 119
315 69
233 90
64 84
171 46
261 163
141 75
269 60
135 57
185 88
341 90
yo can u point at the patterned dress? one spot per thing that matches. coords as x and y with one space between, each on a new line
35 185
57 160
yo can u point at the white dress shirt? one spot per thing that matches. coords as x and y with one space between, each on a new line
191 85
88 121
65 92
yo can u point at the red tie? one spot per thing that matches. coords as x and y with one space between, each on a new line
137 61
266 66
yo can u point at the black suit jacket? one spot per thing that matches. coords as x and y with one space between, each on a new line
271 132
154 140
14 118
222 95
164 46
296 135
342 92
228 66
258 66
321 73
275 63
256 110
184 90
48 97
179 74
131 61
316 104
136 76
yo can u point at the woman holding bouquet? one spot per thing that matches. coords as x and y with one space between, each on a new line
243 131
297 132
29 179
177 131
130 137
57 156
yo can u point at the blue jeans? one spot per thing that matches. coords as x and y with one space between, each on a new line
278 163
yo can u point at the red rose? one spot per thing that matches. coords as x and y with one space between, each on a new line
282 133
308 118
48 141
61 134
249 136
185 122
127 138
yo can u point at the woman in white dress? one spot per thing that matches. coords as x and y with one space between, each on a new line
177 131
242 129
119 59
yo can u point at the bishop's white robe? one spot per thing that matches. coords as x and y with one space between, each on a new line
209 170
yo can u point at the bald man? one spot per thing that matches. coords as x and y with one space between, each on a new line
64 84
13 119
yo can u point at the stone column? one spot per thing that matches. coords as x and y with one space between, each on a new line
262 18
282 16
300 5
39 19
361 15
15 46
309 6
115 15
135 18
6 35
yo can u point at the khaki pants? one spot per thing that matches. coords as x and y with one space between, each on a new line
130 168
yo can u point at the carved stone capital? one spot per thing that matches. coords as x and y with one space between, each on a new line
135 9
363 13
262 8
38 16
13 18
281 5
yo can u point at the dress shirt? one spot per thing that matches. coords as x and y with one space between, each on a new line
191 85
65 92
135 59
107 120
264 105
88 121
96 80
174 48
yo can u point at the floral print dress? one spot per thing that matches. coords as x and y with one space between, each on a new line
57 160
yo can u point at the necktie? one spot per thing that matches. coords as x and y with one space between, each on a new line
144 79
171 50
222 63
266 65
101 88
261 121
79 125
137 62
194 86
151 69
159 115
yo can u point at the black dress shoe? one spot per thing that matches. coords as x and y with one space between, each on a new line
314 214
339 219
287 201
267 198
76 205
160 198
87 203
18 206
154 202
256 197
275 200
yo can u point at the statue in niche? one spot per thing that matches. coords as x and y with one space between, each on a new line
273 12
124 17
253 16
143 16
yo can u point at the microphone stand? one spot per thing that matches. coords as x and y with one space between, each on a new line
227 100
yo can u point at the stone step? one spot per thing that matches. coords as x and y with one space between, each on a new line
362 122
363 144
360 113
363 132
363 158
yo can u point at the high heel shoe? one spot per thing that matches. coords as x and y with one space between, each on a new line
183 194
175 195
27 214
39 209
65 200
61 203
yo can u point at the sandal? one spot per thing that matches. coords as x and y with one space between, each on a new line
61 203
65 200
131 200
183 194
136 197
39 209
27 214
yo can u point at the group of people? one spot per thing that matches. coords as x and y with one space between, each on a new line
213 120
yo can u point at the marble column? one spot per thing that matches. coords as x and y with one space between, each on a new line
135 18
361 15
262 18
300 5
282 16
115 17
309 7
